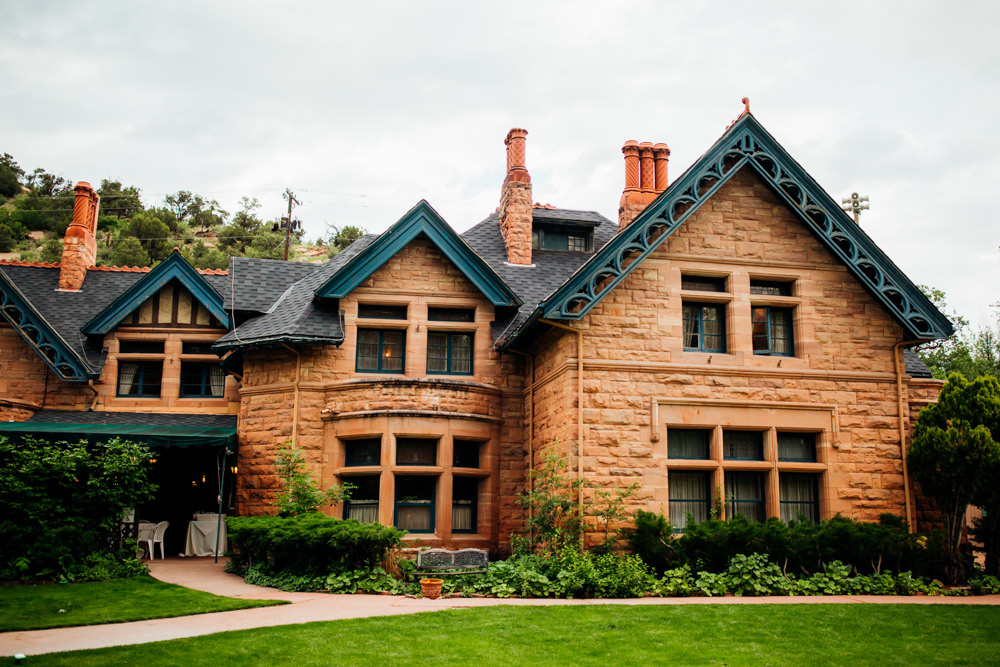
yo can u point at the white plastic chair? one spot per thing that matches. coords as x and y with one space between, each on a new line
157 538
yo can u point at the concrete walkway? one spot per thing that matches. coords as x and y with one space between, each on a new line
205 575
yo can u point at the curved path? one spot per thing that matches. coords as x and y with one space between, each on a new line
205 575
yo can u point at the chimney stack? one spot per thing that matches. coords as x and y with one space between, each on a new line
80 242
515 201
645 178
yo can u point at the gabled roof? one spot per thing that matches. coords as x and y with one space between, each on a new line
37 332
174 267
421 219
747 145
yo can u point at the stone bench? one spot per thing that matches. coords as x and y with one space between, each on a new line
446 562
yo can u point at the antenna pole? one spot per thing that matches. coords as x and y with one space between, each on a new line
290 196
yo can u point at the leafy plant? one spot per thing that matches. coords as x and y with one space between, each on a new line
301 493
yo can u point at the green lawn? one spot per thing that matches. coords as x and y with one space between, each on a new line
61 605
600 635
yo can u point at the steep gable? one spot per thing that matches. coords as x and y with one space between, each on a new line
747 145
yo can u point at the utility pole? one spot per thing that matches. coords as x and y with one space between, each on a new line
855 204
290 196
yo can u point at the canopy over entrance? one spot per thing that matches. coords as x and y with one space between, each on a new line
154 429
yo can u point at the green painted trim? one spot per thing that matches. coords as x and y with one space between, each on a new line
421 219
746 144
174 267
22 315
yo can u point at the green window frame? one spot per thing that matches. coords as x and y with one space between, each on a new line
772 331
464 504
689 494
704 327
449 353
415 501
140 378
380 351
362 504
562 240
363 452
685 443
799 496
200 379
745 495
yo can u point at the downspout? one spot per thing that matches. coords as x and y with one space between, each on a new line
93 403
579 411
897 358
295 408
531 422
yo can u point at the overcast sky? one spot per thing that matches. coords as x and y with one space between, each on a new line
362 109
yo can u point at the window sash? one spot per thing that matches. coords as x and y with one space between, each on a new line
449 353
689 493
704 327
772 331
796 447
743 445
685 443
745 495
799 496
380 351
140 378
202 379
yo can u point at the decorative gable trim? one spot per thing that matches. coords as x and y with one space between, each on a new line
746 144
421 219
38 334
174 267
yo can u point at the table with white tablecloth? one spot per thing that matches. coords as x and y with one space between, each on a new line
201 535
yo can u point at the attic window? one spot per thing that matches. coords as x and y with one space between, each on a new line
451 314
381 312
703 284
569 240
771 287
197 348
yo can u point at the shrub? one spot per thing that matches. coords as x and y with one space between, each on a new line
755 575
985 585
308 544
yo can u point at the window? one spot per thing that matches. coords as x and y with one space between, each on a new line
380 351
415 503
799 496
743 445
140 347
140 378
772 331
745 495
416 452
464 504
547 238
363 503
703 284
770 287
687 443
363 452
796 446
466 454
704 327
193 347
202 379
449 353
451 314
371 311
689 494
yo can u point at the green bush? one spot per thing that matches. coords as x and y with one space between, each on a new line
985 585
62 507
307 544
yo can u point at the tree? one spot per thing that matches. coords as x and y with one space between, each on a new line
245 225
300 492
341 237
10 176
955 456
128 251
203 257
180 204
11 231
45 184
119 201
153 234
970 351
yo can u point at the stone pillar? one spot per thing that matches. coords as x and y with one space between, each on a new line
515 201
80 243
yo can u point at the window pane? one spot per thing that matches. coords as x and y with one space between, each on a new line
771 287
461 353
416 451
687 443
799 497
368 350
691 327
363 452
189 347
747 445
363 503
796 447
465 454
688 494
451 314
140 347
415 503
382 312
141 378
745 495
781 331
703 283
392 350
465 494
437 353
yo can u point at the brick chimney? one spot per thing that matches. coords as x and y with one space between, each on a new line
515 201
645 178
80 243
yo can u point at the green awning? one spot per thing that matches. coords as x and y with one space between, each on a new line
158 435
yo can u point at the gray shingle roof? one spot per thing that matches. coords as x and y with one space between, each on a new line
295 316
915 366
257 283
132 418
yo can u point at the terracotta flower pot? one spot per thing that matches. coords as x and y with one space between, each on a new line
431 588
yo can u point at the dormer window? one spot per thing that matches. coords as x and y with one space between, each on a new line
551 237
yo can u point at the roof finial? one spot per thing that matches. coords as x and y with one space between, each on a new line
746 105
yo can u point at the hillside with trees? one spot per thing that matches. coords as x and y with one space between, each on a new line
36 208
